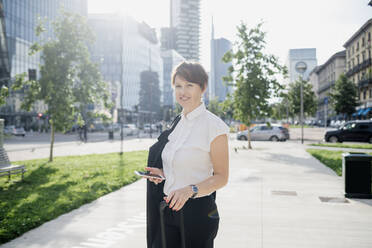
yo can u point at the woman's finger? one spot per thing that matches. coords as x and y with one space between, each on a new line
173 202
179 205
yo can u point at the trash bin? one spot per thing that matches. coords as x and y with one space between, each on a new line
111 135
357 173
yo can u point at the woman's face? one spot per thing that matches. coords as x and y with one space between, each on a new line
188 94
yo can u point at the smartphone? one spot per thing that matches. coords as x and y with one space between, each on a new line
147 174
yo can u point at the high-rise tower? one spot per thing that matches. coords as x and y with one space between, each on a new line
185 23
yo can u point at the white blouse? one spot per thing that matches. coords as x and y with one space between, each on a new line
186 157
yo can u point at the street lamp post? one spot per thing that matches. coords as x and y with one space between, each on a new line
301 68
121 88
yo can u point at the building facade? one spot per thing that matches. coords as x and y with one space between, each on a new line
125 48
306 55
359 66
170 60
217 87
185 25
328 73
19 20
314 80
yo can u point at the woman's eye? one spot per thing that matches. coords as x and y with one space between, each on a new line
178 86
190 85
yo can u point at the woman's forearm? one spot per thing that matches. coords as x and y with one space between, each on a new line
211 184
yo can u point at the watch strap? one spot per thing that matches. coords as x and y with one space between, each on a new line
195 191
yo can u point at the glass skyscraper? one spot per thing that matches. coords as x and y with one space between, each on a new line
20 18
185 26
140 51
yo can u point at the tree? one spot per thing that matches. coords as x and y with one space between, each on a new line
4 93
90 91
253 75
215 107
65 73
344 97
309 100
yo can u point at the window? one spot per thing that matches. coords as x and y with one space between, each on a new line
363 126
363 42
363 56
357 46
352 50
364 94
349 126
369 36
358 59
370 93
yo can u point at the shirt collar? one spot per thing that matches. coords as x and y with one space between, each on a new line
195 113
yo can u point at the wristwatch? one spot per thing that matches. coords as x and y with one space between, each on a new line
195 191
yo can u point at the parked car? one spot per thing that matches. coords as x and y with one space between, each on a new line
146 128
13 130
97 127
130 129
360 131
265 132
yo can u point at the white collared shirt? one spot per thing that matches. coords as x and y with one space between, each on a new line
186 157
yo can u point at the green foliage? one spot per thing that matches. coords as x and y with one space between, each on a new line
252 74
341 145
279 110
344 97
215 107
52 189
4 93
294 98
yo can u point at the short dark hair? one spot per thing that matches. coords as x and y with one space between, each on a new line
192 72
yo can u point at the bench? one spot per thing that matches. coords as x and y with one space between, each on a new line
6 168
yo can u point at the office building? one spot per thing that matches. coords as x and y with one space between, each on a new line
219 69
185 25
306 55
18 21
170 60
359 67
125 48
327 74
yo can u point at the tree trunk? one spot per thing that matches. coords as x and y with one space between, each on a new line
249 139
51 141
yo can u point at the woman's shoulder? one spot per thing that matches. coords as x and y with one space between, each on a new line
214 120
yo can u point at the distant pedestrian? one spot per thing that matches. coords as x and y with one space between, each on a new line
85 132
194 163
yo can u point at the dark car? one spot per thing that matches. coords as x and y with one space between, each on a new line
360 131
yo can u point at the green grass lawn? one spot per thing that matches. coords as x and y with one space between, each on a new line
299 126
341 145
332 159
52 189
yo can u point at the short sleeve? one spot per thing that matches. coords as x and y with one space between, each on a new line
216 128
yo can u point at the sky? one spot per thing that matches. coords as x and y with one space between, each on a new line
322 24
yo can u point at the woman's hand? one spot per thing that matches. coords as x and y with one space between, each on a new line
155 171
176 199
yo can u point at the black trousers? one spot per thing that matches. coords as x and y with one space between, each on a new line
201 219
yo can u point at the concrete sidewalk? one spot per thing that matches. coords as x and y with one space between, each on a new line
272 200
